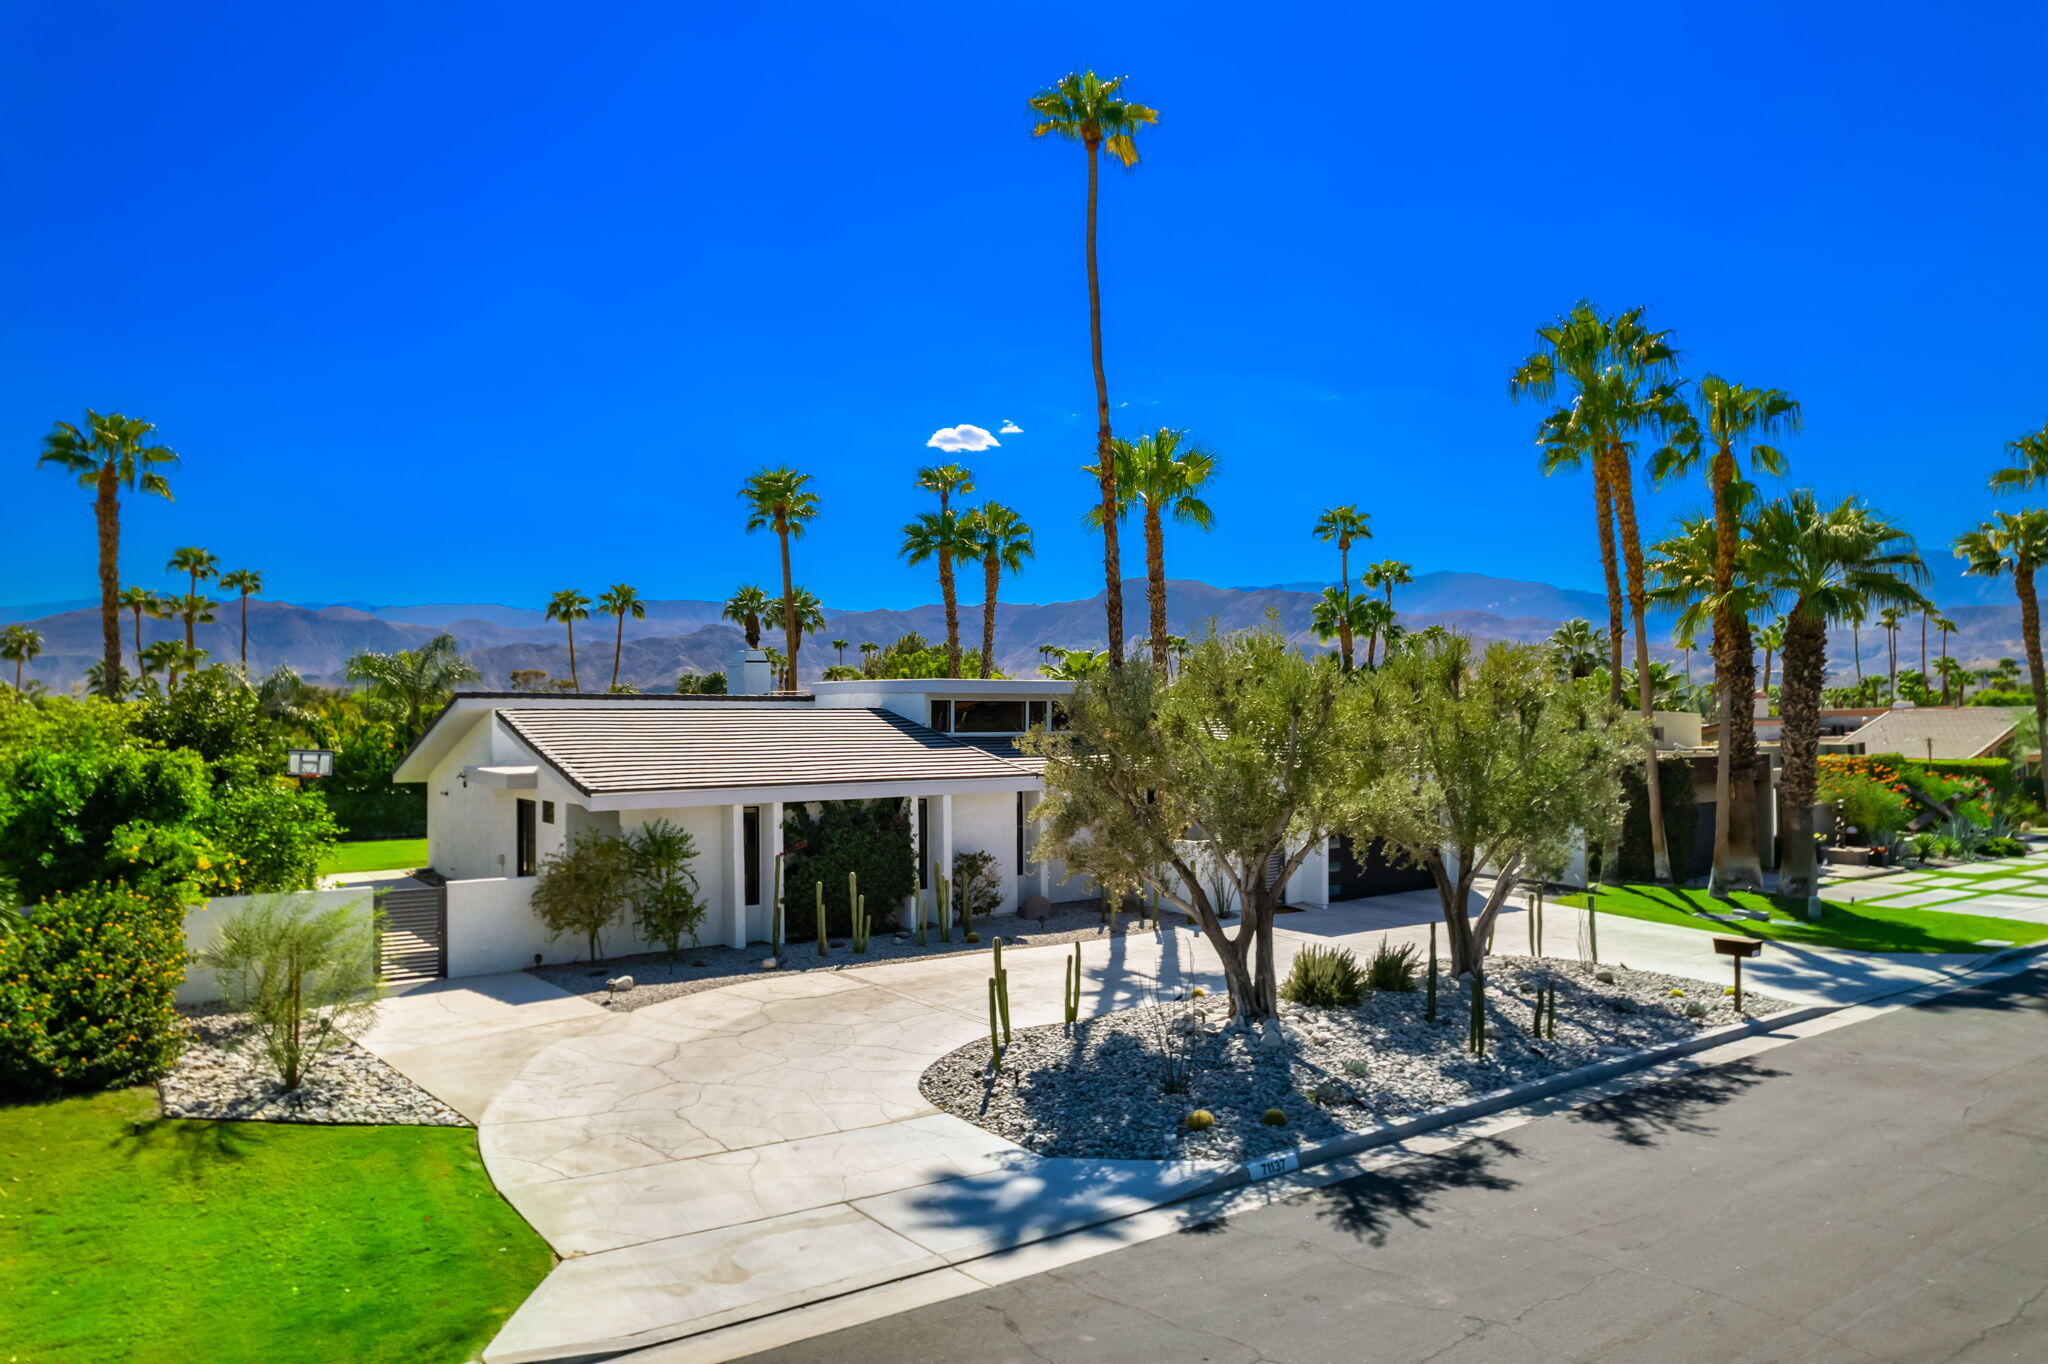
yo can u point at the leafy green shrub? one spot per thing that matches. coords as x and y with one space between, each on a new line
1681 815
1925 846
1869 805
1995 772
586 887
1324 977
217 715
869 837
977 889
666 902
88 989
303 977
2003 847
1393 968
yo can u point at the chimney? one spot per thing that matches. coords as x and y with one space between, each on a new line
1761 705
753 678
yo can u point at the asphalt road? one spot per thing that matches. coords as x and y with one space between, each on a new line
1879 1192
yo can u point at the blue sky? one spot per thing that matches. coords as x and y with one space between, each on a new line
472 302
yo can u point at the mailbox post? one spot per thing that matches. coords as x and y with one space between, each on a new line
1731 945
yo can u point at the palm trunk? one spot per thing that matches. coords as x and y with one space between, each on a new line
1767 670
1923 648
950 597
1344 624
1744 868
618 647
1610 568
138 642
575 681
991 574
789 635
1724 666
1799 703
245 634
1105 463
1155 583
1856 644
2030 631
107 513
1638 598
1891 650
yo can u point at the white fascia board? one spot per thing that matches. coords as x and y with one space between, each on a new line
799 795
506 778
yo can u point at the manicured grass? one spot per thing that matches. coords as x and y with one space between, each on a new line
1865 928
248 1243
376 854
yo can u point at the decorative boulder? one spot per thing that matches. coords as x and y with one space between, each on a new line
1035 908
769 964
618 983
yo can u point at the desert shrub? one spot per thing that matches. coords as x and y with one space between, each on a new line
2003 847
667 904
1325 977
88 989
1868 804
303 977
977 890
872 838
586 887
1925 846
1393 968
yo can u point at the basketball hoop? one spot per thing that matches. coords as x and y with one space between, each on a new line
309 762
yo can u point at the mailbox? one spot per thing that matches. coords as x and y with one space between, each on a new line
1731 945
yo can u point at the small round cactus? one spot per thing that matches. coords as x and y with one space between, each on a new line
973 936
1201 1120
1274 1117
1197 993
1727 989
1678 994
1356 1069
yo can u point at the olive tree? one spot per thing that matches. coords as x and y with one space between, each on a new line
1488 768
303 977
1193 787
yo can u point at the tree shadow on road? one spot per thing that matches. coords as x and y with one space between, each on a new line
1367 1205
1640 1116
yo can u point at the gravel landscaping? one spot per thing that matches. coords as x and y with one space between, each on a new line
1101 1089
656 978
223 1073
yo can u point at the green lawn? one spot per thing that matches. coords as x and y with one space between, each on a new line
248 1243
1866 928
376 854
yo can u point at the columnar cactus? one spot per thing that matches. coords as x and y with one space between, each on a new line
1072 991
1001 981
1478 1033
995 1044
1592 925
1550 1013
775 933
1430 1014
942 888
860 923
821 918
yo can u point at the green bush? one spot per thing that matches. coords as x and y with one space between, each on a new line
1997 771
2003 847
304 978
217 715
667 903
977 888
365 801
1324 977
1871 806
1681 815
869 837
88 989
1393 968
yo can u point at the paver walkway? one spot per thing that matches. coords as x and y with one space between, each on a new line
742 1150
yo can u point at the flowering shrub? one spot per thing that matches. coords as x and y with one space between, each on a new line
1870 804
88 983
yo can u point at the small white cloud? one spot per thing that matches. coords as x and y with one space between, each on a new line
962 439
1009 428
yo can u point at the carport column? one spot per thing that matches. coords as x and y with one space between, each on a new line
939 857
735 876
1043 872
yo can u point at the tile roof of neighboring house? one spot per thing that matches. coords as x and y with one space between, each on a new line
1955 731
610 750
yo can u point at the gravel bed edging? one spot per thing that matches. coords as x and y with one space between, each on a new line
222 1076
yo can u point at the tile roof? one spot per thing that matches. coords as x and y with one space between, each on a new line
1007 750
1955 731
617 749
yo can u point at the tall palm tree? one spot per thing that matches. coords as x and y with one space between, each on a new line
1343 524
946 480
1889 620
2029 466
868 650
1955 680
1082 107
802 606
1163 474
621 601
744 608
1771 639
414 678
1821 565
1577 647
942 536
1943 628
839 650
199 565
569 606
1075 664
1378 621
193 610
779 500
110 454
1387 575
244 581
142 602
164 656
20 645
1620 376
2015 545
1005 542
1686 638
1729 419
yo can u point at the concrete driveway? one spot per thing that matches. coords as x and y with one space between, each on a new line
743 1150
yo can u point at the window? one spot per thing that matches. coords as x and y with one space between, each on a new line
988 717
525 840
750 851
942 716
924 827
547 812
1059 716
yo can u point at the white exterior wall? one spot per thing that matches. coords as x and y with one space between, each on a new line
203 923
988 823
1310 884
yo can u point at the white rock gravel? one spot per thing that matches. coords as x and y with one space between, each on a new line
1101 1090
224 1073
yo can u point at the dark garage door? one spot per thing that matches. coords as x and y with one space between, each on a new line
1353 877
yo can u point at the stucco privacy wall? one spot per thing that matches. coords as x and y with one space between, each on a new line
203 924
492 928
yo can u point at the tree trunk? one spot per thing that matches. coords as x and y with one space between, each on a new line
1454 893
107 513
577 683
1344 623
1105 464
245 634
618 647
789 634
1744 868
991 569
950 596
138 643
1805 668
1725 532
1155 583
2030 631
1638 596
1610 568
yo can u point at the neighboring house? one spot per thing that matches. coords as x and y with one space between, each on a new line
1935 733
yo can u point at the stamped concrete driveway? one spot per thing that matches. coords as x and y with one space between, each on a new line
751 1148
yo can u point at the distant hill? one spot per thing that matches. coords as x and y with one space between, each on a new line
683 635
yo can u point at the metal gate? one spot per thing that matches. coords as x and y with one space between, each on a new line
1354 878
414 943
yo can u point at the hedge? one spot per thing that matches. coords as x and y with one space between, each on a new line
1681 817
869 837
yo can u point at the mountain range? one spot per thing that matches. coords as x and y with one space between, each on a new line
317 639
